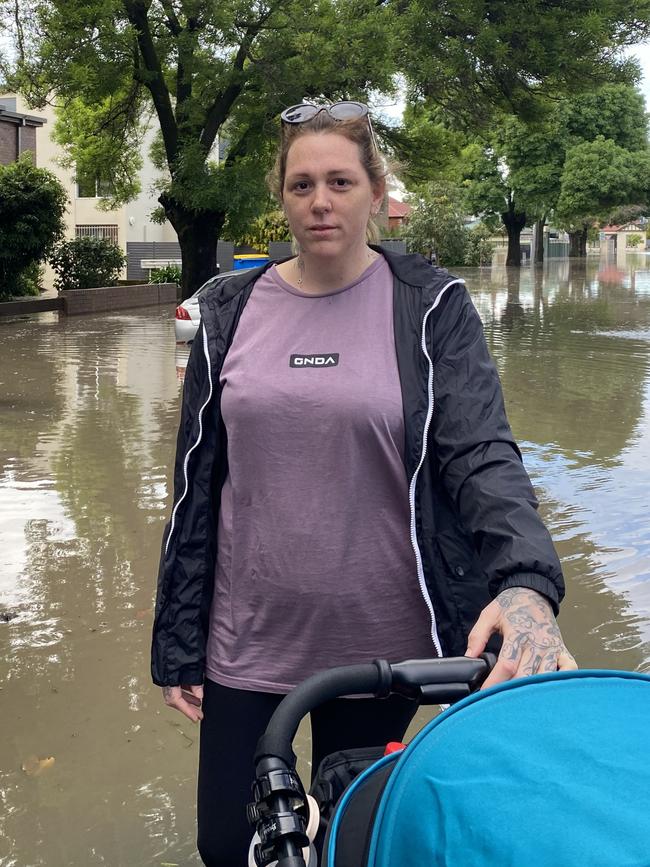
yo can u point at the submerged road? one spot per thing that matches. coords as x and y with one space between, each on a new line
94 770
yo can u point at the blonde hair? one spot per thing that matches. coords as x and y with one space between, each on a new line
356 130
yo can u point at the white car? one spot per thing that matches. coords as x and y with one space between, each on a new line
188 316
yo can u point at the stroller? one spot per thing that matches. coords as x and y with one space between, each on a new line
546 771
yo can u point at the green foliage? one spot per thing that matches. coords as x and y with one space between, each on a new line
200 69
195 70
522 169
166 274
599 176
634 240
103 142
435 225
615 111
486 188
627 214
32 207
593 234
479 248
30 279
271 226
469 57
428 148
84 263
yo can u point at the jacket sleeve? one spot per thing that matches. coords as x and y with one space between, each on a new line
165 628
480 463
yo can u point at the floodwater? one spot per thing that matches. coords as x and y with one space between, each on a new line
93 768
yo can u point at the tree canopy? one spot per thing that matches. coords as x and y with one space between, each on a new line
468 56
206 68
32 208
524 172
201 68
598 177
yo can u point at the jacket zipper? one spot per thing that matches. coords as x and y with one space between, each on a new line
412 487
206 352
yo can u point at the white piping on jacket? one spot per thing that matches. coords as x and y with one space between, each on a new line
198 440
414 540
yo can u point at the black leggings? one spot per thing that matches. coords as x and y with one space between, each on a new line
233 721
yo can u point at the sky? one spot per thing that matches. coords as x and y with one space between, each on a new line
642 53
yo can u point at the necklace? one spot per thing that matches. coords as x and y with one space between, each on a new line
371 256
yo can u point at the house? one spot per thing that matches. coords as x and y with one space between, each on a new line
129 226
397 213
616 238
17 132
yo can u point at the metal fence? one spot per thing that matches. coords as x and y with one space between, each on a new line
103 233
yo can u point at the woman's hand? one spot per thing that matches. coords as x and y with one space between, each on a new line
186 698
532 642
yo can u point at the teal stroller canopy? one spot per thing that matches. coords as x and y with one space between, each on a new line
548 771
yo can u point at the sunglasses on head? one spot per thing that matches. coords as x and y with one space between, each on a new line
345 110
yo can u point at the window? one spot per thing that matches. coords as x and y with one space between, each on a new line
91 186
105 233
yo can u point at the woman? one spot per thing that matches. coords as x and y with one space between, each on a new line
346 486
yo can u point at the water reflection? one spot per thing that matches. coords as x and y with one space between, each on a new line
88 414
572 344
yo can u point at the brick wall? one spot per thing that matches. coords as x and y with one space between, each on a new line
28 143
118 297
8 142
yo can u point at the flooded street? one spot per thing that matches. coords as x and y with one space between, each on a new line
94 770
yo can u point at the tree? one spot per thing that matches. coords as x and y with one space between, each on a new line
202 69
517 169
599 176
435 225
270 226
615 111
32 207
469 57
429 147
490 192
206 68
480 247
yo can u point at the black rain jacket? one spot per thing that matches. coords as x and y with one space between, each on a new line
474 523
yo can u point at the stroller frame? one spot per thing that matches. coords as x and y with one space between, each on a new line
280 809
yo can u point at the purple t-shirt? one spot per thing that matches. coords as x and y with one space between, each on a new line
315 566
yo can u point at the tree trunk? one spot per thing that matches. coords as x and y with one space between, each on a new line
538 255
514 221
578 242
583 241
198 233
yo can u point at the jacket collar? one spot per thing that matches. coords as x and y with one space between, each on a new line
410 268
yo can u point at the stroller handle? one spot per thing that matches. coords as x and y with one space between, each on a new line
430 681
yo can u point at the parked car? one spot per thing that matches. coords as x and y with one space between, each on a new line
188 316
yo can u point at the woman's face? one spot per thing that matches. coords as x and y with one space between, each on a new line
327 194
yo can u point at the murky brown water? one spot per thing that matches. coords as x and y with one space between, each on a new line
88 413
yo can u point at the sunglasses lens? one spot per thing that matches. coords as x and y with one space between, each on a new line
347 110
299 113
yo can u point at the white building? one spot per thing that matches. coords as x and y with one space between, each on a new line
129 226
